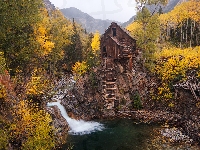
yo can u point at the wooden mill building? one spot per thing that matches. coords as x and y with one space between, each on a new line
116 46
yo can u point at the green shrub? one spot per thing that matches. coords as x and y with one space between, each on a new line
3 139
137 104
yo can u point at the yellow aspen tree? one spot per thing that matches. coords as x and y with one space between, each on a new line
41 31
32 127
96 43
181 25
93 58
79 68
38 84
172 65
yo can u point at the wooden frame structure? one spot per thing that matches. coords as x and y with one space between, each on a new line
116 45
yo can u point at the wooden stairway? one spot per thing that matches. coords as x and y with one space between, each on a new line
109 87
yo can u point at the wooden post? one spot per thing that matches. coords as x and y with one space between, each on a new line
130 62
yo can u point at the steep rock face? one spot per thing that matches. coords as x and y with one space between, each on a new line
131 83
188 107
59 123
131 92
84 101
49 6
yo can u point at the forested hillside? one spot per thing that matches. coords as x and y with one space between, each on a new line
39 46
157 7
170 43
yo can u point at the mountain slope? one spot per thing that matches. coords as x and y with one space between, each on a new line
129 21
171 4
155 8
92 25
49 6
88 22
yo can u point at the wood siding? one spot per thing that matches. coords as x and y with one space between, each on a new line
118 43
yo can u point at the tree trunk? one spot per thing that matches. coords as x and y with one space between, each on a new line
191 34
181 35
186 38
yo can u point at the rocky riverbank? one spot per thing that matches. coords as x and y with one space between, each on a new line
182 128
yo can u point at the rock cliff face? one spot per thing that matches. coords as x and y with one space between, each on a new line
87 100
59 123
83 101
49 5
188 107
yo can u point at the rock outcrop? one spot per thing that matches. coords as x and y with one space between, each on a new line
59 123
49 6
133 92
86 99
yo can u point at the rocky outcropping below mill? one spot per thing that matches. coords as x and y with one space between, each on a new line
59 123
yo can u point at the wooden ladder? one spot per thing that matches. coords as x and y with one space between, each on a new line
109 83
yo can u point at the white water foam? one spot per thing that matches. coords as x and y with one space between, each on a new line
78 127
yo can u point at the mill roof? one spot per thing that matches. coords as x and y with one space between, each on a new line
123 29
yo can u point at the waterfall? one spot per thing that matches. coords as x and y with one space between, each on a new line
78 126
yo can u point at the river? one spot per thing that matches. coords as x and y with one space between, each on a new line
124 134
118 134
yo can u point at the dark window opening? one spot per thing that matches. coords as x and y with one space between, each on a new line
116 103
109 96
104 49
104 52
114 31
105 55
197 93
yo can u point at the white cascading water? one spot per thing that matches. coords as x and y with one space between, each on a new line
79 127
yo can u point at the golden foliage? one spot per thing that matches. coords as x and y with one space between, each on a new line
198 104
164 92
2 91
41 30
37 84
95 43
186 10
3 139
135 28
174 62
80 68
2 63
32 127
198 74
172 66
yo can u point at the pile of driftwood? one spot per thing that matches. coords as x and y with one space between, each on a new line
191 84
